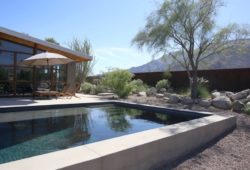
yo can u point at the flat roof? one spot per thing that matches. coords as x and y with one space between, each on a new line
28 40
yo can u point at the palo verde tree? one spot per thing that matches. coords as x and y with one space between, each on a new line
83 69
52 40
186 31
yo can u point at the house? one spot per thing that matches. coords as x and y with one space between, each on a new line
17 79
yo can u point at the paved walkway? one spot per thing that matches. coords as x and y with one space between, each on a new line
28 101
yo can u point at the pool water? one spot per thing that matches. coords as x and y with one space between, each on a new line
30 133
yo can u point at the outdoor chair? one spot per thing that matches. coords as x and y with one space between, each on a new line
48 94
70 91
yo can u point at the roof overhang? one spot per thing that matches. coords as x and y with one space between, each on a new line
41 44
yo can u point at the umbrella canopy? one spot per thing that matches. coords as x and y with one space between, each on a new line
47 59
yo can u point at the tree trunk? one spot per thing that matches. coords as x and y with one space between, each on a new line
194 85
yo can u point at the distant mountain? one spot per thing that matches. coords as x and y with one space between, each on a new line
234 58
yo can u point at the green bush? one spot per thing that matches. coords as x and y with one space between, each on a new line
119 81
138 86
202 88
87 88
100 89
203 92
247 110
164 83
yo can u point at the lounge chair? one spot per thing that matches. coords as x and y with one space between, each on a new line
47 93
70 91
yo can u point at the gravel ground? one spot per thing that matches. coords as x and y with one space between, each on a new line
230 152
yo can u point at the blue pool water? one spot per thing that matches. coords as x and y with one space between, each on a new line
30 133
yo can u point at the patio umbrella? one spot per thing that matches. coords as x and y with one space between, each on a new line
46 58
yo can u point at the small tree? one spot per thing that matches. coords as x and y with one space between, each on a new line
52 40
83 69
188 28
119 81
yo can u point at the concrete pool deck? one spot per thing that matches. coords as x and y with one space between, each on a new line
28 101
142 150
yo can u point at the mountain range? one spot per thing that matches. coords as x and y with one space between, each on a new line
233 58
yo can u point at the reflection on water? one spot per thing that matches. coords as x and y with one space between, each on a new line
25 134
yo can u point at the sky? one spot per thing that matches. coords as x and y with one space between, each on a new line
110 25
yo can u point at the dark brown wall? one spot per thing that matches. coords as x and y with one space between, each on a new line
231 80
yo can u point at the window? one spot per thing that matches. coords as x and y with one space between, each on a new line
11 46
6 58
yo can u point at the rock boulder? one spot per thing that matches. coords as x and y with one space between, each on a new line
142 93
173 98
238 106
222 102
240 95
215 94
205 103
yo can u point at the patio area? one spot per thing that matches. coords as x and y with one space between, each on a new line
28 101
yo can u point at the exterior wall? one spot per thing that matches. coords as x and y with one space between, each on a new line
71 75
17 79
230 80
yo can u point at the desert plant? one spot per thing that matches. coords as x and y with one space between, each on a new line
83 69
164 83
247 109
203 92
188 28
202 88
138 86
100 88
87 87
119 81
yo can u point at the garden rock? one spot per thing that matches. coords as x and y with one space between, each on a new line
159 95
167 94
240 95
222 102
205 103
105 94
248 98
152 91
238 106
142 93
187 101
165 98
174 98
163 90
229 94
248 104
215 94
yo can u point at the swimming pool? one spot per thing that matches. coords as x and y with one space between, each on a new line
29 133
168 135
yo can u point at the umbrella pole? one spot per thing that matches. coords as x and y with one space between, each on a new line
48 73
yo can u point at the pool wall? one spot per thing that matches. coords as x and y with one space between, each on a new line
143 150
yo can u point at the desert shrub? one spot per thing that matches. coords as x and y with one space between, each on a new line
151 91
119 81
202 88
203 92
247 109
167 75
184 91
138 86
87 88
100 88
164 83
